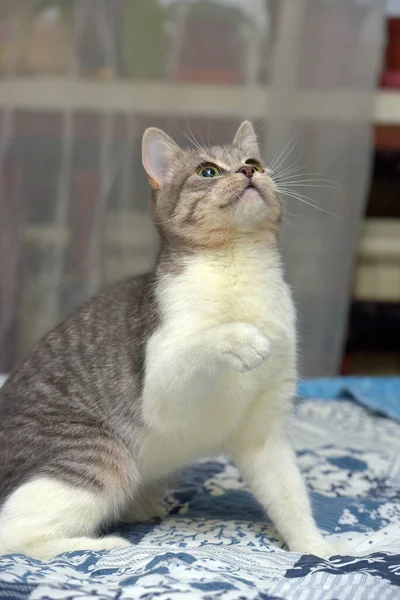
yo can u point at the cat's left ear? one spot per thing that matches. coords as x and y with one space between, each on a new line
246 139
158 150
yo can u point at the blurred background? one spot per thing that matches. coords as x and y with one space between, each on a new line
80 80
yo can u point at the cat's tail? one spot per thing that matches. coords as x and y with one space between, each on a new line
46 517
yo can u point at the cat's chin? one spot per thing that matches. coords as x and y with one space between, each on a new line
251 209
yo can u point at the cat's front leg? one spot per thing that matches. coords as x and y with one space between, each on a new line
276 482
268 463
183 367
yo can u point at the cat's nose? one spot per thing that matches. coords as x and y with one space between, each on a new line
247 170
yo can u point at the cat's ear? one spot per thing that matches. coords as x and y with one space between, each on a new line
157 151
246 139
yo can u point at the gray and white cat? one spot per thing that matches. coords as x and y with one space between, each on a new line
194 358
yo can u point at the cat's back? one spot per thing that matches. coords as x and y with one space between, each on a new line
79 382
86 339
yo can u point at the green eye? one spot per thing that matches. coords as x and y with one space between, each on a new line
255 164
208 171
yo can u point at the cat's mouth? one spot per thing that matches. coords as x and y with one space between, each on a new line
249 193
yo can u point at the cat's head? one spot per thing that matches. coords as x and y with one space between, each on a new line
207 196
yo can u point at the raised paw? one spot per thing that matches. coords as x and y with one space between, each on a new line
243 346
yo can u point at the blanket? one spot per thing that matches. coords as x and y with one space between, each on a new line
217 543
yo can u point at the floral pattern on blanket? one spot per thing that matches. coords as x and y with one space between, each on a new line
217 543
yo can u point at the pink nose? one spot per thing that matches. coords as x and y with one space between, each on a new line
247 170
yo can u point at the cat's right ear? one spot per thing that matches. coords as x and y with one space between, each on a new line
157 151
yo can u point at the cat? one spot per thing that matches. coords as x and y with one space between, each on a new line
196 357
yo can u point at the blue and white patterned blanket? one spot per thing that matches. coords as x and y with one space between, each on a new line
216 542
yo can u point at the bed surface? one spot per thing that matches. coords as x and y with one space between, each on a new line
216 542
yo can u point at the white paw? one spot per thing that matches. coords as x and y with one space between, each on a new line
318 547
157 511
244 347
144 514
112 541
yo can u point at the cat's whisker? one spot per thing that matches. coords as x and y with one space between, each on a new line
298 171
289 224
206 146
294 169
294 164
261 128
275 161
294 180
201 139
287 171
294 215
310 180
195 142
307 200
190 137
309 183
285 152
293 193
291 173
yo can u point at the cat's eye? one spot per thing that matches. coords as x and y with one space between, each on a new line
254 163
209 170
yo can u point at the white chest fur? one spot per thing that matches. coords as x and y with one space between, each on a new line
242 284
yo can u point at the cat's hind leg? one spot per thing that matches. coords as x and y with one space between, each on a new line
46 517
147 504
